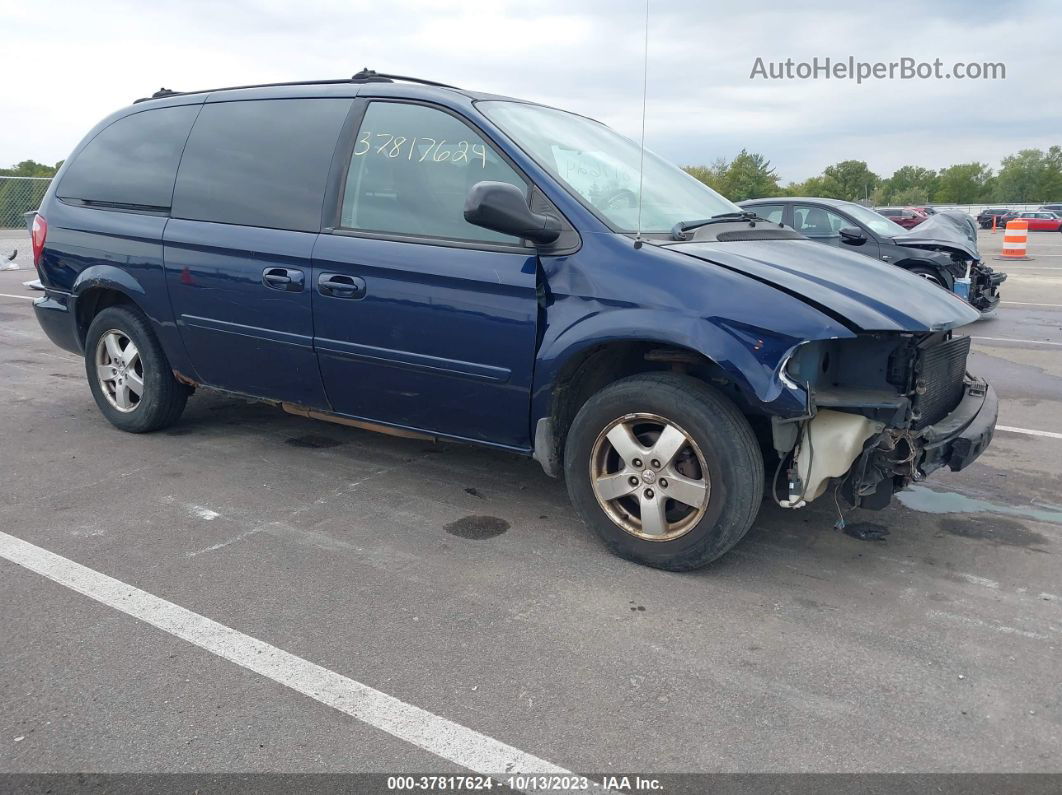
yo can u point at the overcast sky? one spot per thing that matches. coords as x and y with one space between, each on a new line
67 64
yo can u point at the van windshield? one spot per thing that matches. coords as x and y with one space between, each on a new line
601 168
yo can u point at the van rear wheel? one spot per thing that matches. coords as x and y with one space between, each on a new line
665 469
129 374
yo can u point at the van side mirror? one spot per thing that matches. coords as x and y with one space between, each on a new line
503 208
853 236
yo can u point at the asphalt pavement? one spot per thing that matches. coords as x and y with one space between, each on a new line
457 581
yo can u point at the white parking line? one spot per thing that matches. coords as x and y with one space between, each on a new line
1029 432
442 737
8 295
1027 303
1011 339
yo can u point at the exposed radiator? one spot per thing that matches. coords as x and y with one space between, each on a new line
940 370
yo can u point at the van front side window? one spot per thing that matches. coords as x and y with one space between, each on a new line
410 170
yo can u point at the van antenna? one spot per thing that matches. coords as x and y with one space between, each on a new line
641 161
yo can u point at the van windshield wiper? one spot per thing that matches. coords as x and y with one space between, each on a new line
679 230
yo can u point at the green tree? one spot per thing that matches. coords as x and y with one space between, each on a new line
747 176
850 179
1051 184
1019 176
750 176
18 196
907 182
1030 175
916 197
30 168
964 183
714 176
811 187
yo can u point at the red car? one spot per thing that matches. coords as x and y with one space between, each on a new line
1040 221
907 217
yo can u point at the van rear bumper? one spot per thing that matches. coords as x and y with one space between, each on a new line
55 313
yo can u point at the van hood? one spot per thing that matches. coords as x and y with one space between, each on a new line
945 231
866 294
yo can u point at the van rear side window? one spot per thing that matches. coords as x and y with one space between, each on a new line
260 162
132 163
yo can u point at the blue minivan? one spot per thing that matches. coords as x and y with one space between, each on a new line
411 257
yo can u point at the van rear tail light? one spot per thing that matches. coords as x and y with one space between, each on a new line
38 232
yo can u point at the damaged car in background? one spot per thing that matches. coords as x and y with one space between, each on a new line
941 249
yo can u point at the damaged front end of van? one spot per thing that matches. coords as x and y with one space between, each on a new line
884 410
888 400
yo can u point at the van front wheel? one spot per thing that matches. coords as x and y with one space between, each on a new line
129 374
665 469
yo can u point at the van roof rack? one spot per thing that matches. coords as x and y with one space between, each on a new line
372 76
364 76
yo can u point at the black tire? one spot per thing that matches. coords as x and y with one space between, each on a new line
731 452
929 274
163 397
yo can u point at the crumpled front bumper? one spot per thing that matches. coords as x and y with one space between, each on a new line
896 457
959 438
984 288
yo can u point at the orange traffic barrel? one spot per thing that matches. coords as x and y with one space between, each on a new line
1016 239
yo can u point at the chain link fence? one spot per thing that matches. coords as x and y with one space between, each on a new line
19 195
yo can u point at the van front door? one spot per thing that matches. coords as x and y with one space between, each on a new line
422 320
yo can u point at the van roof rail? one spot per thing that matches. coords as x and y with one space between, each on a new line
372 76
364 76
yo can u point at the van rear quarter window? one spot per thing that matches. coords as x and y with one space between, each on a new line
260 162
131 162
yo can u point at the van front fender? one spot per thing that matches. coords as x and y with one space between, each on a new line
750 356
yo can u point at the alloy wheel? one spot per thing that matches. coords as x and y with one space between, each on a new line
649 477
119 370
929 277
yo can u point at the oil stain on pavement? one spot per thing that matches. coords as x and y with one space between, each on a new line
477 527
982 525
998 531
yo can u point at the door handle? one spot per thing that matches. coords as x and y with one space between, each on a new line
338 285
286 279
